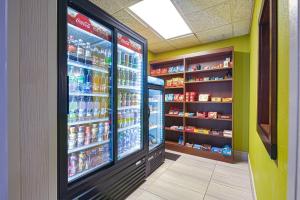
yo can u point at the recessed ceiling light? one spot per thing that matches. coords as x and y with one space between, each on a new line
162 16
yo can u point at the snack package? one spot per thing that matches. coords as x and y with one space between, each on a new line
212 115
216 150
227 99
176 97
202 114
181 97
216 99
204 97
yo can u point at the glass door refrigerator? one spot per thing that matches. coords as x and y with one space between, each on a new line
101 95
156 155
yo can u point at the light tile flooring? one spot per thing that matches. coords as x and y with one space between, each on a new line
195 178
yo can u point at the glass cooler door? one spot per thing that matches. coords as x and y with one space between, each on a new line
130 68
155 118
89 76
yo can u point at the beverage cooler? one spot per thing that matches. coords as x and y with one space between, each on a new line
156 112
101 95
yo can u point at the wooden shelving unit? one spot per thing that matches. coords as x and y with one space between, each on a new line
217 88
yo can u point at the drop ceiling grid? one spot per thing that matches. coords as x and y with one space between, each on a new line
209 20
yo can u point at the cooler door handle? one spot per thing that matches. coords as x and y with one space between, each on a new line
68 95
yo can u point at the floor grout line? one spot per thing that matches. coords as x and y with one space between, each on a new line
210 180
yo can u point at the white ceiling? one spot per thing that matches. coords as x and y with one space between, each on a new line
209 20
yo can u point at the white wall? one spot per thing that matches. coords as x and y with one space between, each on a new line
3 103
32 80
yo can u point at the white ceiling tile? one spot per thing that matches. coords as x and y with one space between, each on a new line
126 3
241 9
220 33
241 27
213 17
160 47
127 19
183 42
189 6
107 5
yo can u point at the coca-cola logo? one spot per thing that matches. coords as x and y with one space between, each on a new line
83 23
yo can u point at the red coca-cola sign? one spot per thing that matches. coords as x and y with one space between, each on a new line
83 22
126 42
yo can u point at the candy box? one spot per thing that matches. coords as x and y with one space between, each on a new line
169 83
202 114
189 128
164 70
153 72
188 145
205 147
216 99
181 97
216 150
204 97
228 99
176 97
204 131
187 96
225 116
180 81
212 115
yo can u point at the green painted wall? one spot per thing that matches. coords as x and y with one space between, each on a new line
241 82
270 177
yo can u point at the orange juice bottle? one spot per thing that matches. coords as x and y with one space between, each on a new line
96 82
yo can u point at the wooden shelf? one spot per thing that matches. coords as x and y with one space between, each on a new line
168 115
210 81
181 87
208 70
208 102
169 129
218 119
196 152
217 88
208 135
172 74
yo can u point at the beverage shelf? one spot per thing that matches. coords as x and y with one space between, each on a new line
210 81
87 146
208 70
88 121
128 107
86 33
153 112
128 128
89 95
76 176
86 66
152 127
129 68
153 101
128 152
126 49
125 87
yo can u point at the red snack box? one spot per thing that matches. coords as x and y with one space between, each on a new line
187 96
164 70
190 128
176 97
202 114
181 97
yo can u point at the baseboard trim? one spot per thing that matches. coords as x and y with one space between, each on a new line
240 155
252 180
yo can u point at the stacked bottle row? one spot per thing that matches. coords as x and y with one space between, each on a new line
88 159
128 77
84 52
128 59
87 81
87 108
128 140
128 99
128 117
79 136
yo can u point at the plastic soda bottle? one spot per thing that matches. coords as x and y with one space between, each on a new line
88 82
82 109
72 79
96 82
81 80
89 108
73 109
88 54
96 107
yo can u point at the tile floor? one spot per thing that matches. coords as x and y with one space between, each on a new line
195 178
